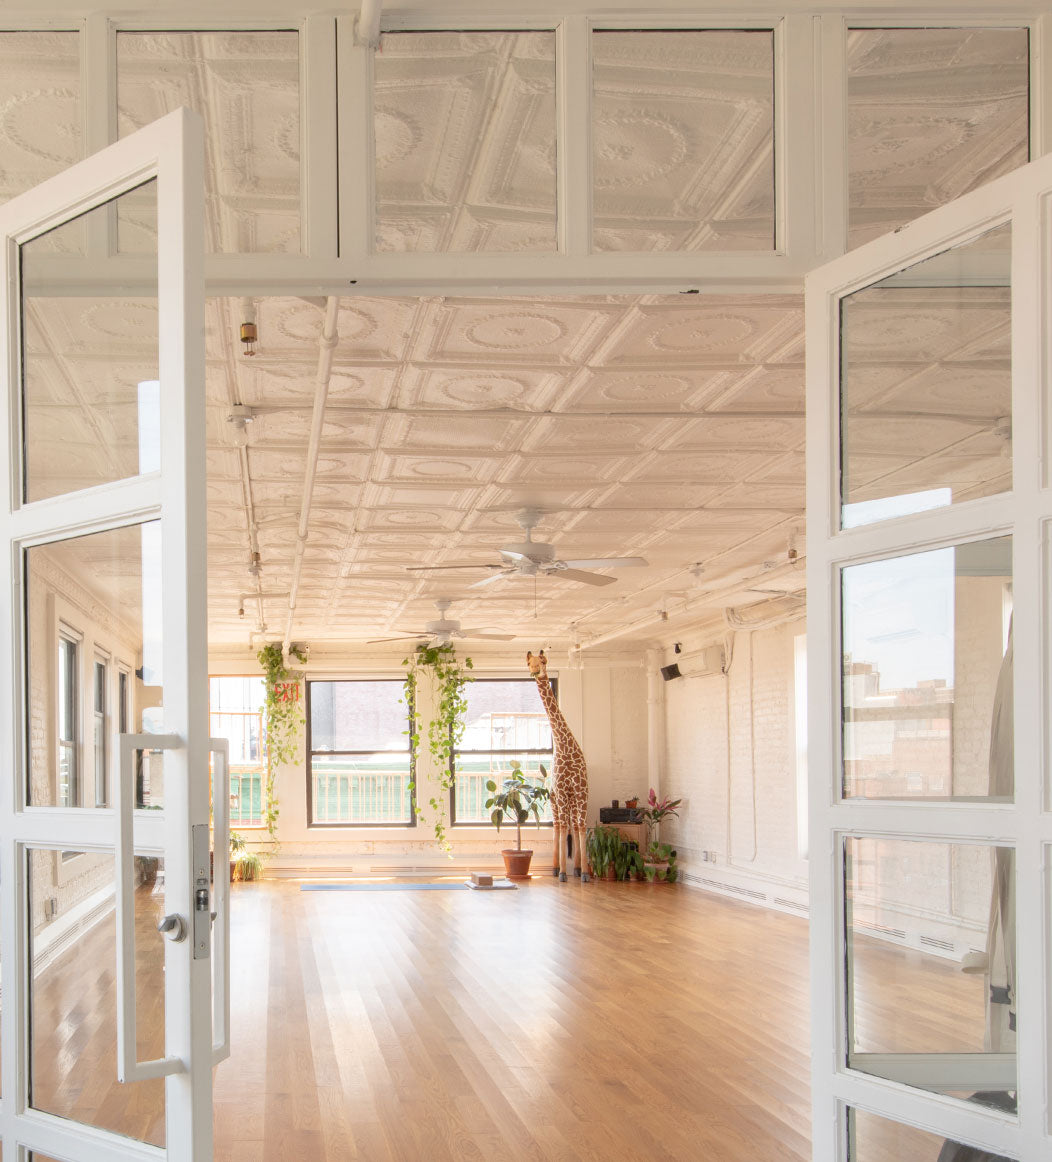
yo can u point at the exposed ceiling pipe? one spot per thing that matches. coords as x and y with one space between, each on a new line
367 25
326 348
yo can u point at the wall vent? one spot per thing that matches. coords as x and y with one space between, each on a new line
937 942
794 904
735 888
897 933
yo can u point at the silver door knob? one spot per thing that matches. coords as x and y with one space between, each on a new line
174 927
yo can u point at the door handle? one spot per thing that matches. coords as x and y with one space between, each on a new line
220 748
129 1067
172 926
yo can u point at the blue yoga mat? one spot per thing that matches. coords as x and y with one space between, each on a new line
383 887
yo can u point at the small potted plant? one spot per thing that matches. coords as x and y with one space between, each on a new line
660 865
517 799
244 864
632 802
656 810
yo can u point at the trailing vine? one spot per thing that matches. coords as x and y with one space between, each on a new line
282 719
447 679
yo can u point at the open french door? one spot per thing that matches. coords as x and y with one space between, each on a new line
929 513
106 912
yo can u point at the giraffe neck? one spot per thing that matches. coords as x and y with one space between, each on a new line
560 730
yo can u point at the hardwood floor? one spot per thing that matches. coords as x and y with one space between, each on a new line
558 1023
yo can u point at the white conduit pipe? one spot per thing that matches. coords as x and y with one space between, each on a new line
657 740
326 348
367 26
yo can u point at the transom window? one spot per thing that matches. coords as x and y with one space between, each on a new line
361 761
505 721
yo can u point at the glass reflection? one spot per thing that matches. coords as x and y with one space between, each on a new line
927 675
877 1139
931 965
40 97
73 992
931 114
683 155
246 86
94 655
90 412
926 384
464 126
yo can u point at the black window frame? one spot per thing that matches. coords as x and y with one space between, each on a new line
513 753
312 823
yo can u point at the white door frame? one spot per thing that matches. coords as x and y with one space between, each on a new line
1025 199
172 151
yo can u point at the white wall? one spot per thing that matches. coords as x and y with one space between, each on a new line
731 757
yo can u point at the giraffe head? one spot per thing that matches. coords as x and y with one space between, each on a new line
538 664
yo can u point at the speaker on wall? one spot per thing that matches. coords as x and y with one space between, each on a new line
670 672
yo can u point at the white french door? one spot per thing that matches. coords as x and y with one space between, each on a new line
107 929
929 513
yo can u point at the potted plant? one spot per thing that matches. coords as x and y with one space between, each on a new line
660 864
604 845
244 864
632 802
517 798
656 810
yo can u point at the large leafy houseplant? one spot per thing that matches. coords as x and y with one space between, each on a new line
517 799
438 666
282 720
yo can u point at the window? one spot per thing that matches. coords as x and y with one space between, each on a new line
68 765
361 760
236 706
505 720
101 779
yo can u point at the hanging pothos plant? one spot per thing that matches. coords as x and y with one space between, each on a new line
447 678
282 719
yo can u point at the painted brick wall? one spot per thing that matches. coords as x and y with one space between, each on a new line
731 757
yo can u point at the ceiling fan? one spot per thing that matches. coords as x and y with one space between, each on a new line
528 558
444 630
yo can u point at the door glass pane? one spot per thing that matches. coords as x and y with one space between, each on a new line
683 153
877 1139
464 126
932 113
246 87
73 991
927 675
40 130
91 396
926 384
931 965
103 589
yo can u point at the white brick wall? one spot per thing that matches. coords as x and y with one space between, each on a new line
738 784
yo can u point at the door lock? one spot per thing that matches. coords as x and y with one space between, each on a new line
173 926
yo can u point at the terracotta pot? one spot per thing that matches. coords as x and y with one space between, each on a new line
660 872
517 863
611 873
632 804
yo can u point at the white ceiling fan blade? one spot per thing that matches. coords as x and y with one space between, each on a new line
481 633
434 568
411 638
608 563
487 580
584 578
513 556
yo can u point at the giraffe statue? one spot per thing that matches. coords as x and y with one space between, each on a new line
569 777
